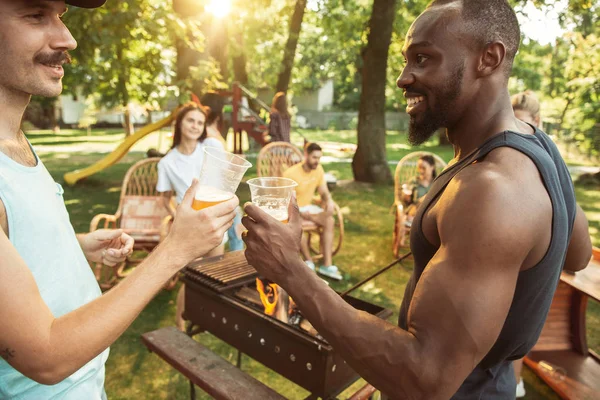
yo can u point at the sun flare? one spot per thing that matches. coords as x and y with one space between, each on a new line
219 8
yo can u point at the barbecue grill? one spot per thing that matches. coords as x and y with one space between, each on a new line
221 298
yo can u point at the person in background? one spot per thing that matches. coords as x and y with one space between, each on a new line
310 177
416 189
280 119
183 162
213 122
526 107
178 168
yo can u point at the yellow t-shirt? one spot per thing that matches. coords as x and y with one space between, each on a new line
308 182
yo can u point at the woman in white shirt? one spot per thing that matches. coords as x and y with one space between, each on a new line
182 164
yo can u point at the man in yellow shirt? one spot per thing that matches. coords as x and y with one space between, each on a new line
310 177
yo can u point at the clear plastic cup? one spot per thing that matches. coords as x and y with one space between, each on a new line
272 195
220 177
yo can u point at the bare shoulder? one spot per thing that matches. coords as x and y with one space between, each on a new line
498 201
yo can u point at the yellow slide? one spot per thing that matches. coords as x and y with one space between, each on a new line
73 177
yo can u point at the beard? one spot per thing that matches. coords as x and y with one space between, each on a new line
433 119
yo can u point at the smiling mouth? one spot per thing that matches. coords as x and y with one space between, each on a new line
413 104
56 70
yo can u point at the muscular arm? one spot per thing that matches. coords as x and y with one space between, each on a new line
580 246
49 349
460 303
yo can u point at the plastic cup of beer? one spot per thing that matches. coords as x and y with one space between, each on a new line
272 195
220 177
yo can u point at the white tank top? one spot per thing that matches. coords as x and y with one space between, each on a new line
40 230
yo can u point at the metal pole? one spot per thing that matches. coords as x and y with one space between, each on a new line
376 274
239 360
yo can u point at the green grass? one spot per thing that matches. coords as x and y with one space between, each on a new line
132 372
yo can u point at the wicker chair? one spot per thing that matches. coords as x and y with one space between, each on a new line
273 160
405 171
141 214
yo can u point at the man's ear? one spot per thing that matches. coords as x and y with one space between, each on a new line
492 58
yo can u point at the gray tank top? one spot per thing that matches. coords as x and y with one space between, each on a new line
493 378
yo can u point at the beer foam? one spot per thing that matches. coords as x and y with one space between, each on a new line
278 214
212 194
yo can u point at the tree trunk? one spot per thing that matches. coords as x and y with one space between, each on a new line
283 81
123 93
370 161
49 111
443 137
217 37
127 124
187 57
240 74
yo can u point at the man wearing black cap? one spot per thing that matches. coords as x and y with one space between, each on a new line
56 326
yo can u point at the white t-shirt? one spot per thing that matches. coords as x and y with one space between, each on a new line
176 170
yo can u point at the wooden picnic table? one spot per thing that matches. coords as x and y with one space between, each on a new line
213 374
202 367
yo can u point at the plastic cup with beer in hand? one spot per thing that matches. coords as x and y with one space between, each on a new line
272 195
220 177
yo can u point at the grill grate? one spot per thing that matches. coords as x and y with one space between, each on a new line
223 272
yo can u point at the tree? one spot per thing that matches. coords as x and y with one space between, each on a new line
240 74
289 52
124 54
370 162
565 74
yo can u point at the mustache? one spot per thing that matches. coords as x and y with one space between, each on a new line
54 58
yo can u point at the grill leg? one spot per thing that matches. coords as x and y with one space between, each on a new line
190 331
192 391
239 359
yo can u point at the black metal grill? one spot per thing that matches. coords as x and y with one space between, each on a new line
223 272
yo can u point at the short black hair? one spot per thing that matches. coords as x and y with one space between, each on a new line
310 147
488 21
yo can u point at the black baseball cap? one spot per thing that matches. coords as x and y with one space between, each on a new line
86 3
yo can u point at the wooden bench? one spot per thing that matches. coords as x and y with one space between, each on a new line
563 340
202 367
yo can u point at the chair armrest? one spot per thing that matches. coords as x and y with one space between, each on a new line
397 208
110 221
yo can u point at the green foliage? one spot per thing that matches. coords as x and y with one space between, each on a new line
566 75
127 52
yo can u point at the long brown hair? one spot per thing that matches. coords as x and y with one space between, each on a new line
279 105
431 161
185 109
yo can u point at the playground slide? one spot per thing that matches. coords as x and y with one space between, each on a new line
73 177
